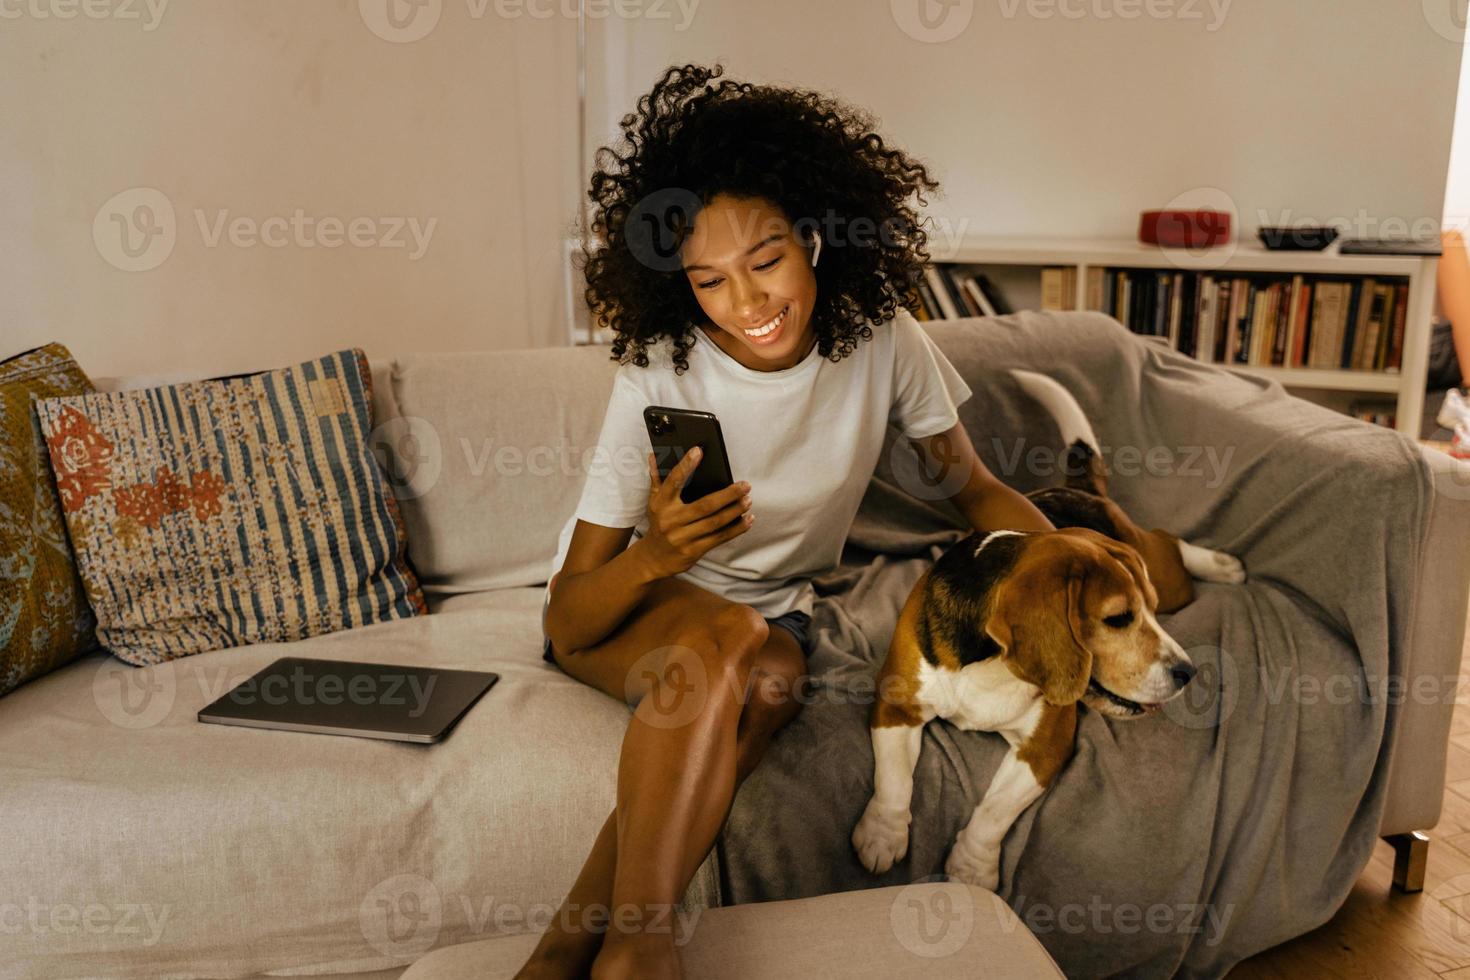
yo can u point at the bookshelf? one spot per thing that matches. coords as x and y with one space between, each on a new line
1016 264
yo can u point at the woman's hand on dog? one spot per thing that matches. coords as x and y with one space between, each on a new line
678 533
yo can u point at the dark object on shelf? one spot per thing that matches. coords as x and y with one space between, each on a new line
1184 229
1309 238
1390 245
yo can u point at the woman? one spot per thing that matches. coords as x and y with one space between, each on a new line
1449 342
757 250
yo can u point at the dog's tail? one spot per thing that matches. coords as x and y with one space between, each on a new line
1084 458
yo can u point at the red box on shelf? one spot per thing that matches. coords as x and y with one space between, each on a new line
1184 229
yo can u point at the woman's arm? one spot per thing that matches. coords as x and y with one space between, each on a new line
987 503
605 582
1454 296
601 580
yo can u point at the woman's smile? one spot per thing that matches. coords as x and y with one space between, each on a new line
769 332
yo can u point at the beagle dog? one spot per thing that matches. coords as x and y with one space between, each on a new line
1010 630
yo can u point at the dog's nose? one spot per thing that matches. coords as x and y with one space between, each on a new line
1183 673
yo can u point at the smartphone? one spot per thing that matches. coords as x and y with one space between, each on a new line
673 432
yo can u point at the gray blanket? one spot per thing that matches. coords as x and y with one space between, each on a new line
1177 844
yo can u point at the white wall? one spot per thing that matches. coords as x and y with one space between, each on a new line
1037 125
1043 122
1457 189
260 107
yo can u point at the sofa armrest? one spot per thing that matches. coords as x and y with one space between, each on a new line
1434 650
1357 524
1368 526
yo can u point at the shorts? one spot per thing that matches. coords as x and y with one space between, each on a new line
796 622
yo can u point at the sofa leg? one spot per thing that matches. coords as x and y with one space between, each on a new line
1410 855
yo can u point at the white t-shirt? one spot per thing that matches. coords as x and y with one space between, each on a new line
806 438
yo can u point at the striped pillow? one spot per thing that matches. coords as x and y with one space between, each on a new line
233 511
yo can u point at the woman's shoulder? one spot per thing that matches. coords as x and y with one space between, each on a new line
886 336
905 332
900 321
660 366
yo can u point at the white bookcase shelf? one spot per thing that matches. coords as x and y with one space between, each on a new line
1405 387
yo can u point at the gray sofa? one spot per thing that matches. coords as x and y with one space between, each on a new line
143 844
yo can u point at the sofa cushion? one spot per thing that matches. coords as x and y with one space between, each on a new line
931 929
225 512
45 619
488 458
228 851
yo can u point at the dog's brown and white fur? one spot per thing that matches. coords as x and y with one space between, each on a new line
1010 630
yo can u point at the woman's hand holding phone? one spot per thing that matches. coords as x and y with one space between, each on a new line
678 533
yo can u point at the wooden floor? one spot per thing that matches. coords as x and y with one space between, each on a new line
1385 934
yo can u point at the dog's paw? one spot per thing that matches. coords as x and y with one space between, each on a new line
1209 565
881 837
1224 568
973 867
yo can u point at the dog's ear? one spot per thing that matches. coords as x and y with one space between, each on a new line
1036 618
1131 560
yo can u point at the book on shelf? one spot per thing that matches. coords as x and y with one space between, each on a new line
1058 287
937 290
948 292
978 297
1261 319
1375 410
1400 302
927 303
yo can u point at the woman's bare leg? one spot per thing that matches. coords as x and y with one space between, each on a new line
573 940
676 781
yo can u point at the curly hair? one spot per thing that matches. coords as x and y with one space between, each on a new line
814 158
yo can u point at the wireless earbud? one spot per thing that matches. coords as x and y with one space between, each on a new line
816 248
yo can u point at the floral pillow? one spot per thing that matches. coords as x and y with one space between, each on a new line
233 511
45 620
